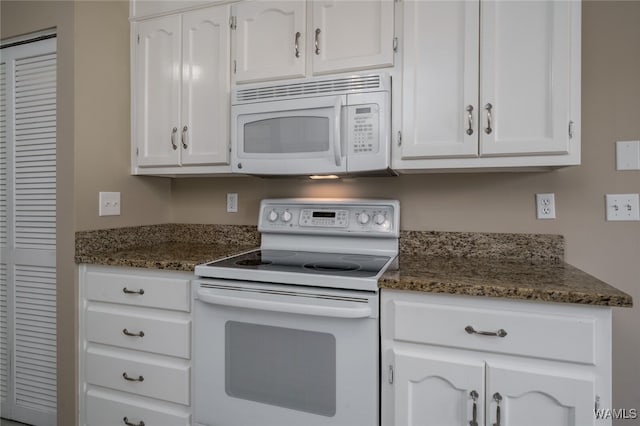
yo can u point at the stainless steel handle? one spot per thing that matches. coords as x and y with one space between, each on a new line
128 423
488 129
184 137
474 396
138 292
337 143
317 41
498 399
173 138
500 333
296 44
470 120
128 333
132 379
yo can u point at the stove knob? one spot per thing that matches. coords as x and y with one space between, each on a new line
379 219
363 218
273 216
286 216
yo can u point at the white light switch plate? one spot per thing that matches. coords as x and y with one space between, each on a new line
109 204
622 207
628 155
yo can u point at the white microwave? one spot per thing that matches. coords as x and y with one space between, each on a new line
318 126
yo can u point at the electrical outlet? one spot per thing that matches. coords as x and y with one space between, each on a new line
232 202
109 204
546 206
622 207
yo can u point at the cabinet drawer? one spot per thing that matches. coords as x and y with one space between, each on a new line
105 408
161 333
161 379
154 292
541 335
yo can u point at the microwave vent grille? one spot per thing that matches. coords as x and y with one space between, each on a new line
310 88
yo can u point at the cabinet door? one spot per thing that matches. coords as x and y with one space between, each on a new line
204 135
440 79
350 35
435 392
268 41
157 91
531 398
527 66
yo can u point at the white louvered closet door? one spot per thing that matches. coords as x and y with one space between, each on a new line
28 232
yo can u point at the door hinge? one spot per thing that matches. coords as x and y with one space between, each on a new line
395 44
596 404
390 375
138 38
399 138
233 23
137 152
235 66
571 129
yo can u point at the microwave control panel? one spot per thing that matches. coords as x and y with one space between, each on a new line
364 128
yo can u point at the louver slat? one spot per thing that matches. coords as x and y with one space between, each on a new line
3 163
3 333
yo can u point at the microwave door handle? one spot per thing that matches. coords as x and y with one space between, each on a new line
285 307
337 145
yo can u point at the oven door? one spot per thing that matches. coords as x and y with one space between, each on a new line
282 356
291 137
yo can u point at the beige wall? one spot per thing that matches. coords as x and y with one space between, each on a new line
93 156
504 202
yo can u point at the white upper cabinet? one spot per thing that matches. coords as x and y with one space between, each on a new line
268 41
157 90
181 93
489 84
288 39
351 35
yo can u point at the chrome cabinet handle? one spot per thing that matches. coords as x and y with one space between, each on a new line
128 333
173 138
132 379
500 333
470 120
474 396
497 398
317 41
297 48
184 137
128 423
488 129
127 291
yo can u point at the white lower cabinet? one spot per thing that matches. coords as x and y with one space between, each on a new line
135 347
459 360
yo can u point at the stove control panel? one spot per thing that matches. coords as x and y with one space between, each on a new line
310 216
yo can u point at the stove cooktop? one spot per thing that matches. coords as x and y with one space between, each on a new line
302 262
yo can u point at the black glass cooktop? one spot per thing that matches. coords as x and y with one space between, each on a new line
352 265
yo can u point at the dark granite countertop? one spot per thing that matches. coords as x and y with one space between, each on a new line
514 279
515 266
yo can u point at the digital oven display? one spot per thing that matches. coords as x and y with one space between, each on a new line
330 215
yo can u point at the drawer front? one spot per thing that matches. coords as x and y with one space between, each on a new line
163 334
111 409
153 292
540 335
156 378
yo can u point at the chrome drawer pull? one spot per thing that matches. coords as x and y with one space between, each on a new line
173 138
127 291
497 398
500 333
128 333
295 43
184 137
317 41
128 423
131 379
488 129
474 420
470 119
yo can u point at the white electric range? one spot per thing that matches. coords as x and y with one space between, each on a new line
289 334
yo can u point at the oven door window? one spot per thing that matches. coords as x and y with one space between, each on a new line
286 367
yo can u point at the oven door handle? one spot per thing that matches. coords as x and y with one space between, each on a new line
286 307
